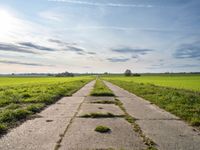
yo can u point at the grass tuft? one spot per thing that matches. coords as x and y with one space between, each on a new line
3 128
102 129
98 115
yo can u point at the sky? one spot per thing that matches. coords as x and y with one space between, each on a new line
99 36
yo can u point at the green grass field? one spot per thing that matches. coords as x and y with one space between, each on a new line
188 81
177 94
8 81
23 96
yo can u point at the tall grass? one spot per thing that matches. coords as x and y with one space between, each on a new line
19 101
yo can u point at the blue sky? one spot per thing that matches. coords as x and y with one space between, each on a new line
99 35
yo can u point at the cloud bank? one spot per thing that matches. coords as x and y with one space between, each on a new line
188 51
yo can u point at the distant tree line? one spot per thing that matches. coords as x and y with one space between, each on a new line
64 74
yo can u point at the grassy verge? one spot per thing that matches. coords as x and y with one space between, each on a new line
20 101
182 103
100 89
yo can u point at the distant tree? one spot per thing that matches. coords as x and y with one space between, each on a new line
127 72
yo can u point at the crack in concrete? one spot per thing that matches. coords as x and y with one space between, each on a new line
58 143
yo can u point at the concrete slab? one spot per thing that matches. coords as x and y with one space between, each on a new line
81 135
142 109
37 134
171 134
162 127
66 107
93 99
85 91
87 108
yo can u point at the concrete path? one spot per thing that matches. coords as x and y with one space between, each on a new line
165 129
44 132
81 134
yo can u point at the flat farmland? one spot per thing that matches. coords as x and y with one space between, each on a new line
188 82
178 94
24 96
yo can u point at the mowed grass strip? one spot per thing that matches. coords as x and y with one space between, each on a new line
184 104
17 102
100 89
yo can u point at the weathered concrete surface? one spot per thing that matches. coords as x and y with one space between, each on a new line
165 129
81 135
93 99
42 133
142 109
171 134
85 91
100 108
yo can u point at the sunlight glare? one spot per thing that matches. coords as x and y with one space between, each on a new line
6 20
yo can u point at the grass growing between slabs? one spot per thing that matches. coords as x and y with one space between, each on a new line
104 102
102 129
183 103
100 89
18 101
151 145
99 115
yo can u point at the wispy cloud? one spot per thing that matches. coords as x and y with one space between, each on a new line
74 49
114 59
22 63
15 48
135 51
35 46
51 15
123 28
91 53
188 51
61 43
102 4
71 47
